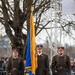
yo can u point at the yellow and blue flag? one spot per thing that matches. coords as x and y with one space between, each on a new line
31 58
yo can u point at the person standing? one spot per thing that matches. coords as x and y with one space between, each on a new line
72 67
15 64
43 63
61 63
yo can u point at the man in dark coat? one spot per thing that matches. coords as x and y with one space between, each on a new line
43 63
61 63
15 64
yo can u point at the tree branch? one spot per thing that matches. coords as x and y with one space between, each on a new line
42 4
43 27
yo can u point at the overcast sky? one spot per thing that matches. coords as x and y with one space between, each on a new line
68 6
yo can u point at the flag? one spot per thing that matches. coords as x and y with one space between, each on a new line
31 58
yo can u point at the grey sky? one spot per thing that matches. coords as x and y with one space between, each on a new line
68 6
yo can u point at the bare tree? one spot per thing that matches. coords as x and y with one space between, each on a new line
14 16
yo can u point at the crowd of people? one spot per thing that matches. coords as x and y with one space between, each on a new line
72 67
61 64
3 65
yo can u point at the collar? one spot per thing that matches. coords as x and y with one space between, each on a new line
39 53
15 57
61 55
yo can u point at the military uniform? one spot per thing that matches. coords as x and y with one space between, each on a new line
43 65
15 66
61 65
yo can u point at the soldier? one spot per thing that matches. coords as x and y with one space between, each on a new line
43 63
15 64
61 63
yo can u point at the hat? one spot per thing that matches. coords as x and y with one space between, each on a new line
15 49
39 45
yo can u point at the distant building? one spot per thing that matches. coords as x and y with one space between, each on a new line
5 48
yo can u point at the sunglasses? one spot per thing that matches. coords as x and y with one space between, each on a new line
39 46
61 47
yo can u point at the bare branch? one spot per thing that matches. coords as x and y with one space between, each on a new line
10 8
42 4
68 33
39 18
4 9
43 27
2 20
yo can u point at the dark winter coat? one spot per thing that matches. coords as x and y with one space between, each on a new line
61 65
15 66
43 65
